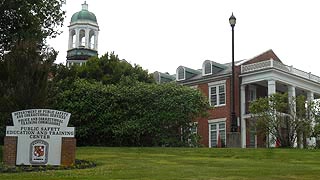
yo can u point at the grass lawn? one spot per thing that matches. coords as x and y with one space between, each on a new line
187 163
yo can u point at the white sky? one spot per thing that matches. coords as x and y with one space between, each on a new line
160 35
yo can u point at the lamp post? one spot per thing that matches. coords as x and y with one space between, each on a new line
234 128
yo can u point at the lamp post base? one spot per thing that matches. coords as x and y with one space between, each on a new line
234 124
234 140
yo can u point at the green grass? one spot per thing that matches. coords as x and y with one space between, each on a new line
188 163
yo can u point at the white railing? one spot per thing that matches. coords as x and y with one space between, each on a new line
278 65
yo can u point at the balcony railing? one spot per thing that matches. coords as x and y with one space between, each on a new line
278 65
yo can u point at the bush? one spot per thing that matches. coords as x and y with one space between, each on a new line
138 114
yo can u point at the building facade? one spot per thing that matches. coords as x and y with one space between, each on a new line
257 77
83 37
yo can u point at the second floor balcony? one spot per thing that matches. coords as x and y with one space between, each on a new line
269 64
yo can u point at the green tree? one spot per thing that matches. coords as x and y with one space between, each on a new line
25 59
23 79
28 19
109 69
141 114
286 121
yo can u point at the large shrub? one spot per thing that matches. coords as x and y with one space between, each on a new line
138 114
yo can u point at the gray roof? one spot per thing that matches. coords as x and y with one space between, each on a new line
227 70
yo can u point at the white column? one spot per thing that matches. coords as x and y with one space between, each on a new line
96 40
243 120
312 140
271 90
291 98
87 38
293 109
70 39
77 39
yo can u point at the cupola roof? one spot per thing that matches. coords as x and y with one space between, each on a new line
84 15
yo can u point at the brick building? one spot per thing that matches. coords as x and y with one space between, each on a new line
257 77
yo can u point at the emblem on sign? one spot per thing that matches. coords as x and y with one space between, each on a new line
39 152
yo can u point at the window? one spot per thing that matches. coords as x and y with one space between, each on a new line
193 138
217 134
194 128
217 94
207 68
252 136
252 93
180 73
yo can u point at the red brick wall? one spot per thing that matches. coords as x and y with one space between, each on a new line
10 150
68 151
219 112
263 57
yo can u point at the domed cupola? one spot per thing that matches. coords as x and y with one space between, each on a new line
83 36
84 16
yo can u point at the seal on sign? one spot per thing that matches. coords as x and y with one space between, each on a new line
39 152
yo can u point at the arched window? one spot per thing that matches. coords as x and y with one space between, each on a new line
92 40
73 39
207 67
82 38
181 73
157 77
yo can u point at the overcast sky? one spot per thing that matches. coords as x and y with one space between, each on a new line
161 35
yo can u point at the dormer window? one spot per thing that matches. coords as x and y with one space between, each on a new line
207 68
163 77
181 73
211 67
184 73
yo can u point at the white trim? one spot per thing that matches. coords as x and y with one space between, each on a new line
217 83
243 116
281 77
216 120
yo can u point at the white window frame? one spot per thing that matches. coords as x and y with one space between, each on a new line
217 121
184 73
204 68
216 85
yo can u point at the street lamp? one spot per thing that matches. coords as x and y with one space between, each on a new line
234 128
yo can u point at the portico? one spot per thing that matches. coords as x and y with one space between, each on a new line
268 77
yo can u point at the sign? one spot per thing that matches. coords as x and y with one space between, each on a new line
39 133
